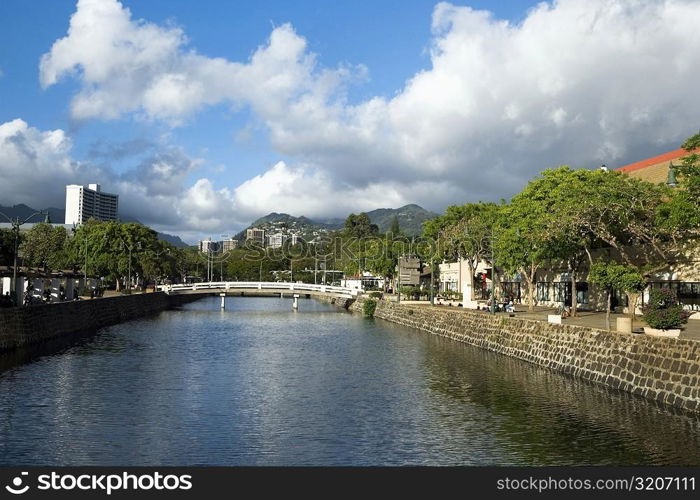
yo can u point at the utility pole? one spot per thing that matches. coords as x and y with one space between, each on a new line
129 269
432 281
15 228
86 260
398 286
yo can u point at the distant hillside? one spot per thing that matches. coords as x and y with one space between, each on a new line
411 218
58 216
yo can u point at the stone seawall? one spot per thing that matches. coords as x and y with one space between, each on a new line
25 326
661 369
336 301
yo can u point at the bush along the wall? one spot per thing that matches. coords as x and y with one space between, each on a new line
368 308
376 295
663 311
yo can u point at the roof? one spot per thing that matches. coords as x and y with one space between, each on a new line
671 155
655 169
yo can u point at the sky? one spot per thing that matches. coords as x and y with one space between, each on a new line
205 115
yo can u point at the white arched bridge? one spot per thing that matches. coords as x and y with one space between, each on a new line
242 288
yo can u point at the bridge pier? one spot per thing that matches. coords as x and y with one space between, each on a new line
295 304
223 301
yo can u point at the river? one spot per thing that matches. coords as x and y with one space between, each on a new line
261 384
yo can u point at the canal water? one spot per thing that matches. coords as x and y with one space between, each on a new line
260 384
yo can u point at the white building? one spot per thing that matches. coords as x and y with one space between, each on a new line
366 282
256 234
458 277
229 244
206 246
83 203
276 240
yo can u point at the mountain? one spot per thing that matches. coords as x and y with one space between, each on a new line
411 218
173 240
58 216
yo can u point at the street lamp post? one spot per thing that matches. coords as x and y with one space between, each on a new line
493 274
130 248
15 228
398 284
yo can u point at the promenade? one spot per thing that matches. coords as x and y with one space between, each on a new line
589 319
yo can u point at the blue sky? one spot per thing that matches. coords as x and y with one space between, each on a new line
206 115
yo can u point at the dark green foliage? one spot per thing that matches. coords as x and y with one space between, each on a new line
611 275
663 310
410 292
368 308
395 229
7 247
360 226
376 295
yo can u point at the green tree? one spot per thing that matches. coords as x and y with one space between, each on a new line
360 226
594 209
7 247
111 249
688 172
467 232
44 246
522 243
395 229
613 276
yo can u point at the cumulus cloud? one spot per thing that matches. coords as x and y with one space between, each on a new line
31 161
37 165
576 81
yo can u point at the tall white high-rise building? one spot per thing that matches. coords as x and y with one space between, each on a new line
83 203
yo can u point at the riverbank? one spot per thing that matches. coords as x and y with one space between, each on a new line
661 369
26 326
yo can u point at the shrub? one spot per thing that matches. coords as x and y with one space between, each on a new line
376 295
368 308
663 311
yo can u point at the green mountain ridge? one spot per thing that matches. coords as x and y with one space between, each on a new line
411 218
58 216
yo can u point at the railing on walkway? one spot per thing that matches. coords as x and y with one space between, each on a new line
261 285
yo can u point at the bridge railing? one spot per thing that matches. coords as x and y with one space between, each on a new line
261 285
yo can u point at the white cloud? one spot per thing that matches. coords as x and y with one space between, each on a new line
31 160
35 167
577 81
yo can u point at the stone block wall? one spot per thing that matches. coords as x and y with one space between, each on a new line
23 326
663 369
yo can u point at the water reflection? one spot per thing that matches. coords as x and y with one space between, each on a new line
260 384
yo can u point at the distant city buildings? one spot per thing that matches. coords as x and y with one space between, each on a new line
83 203
229 244
276 240
409 270
209 246
255 234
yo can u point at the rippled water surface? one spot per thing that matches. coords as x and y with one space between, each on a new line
259 384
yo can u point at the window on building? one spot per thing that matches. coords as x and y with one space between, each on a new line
582 292
542 291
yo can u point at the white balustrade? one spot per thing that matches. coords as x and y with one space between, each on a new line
261 285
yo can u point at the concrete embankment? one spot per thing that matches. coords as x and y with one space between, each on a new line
26 326
661 369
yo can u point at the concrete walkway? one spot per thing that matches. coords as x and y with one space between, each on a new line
583 318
